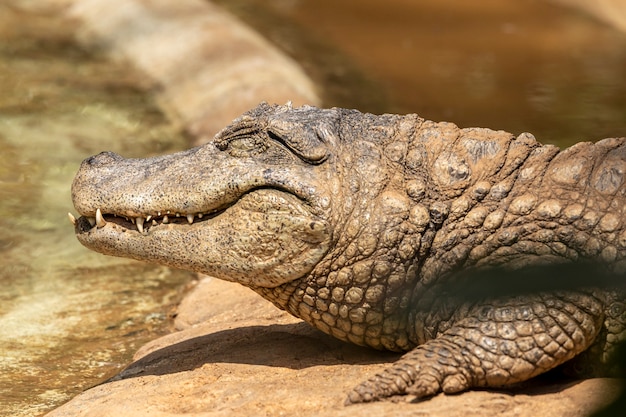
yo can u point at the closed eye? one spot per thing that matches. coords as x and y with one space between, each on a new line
246 145
308 150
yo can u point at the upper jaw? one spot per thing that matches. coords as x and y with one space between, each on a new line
177 185
186 186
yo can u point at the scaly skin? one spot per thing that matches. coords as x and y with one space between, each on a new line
357 223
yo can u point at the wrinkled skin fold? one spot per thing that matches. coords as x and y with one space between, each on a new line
358 223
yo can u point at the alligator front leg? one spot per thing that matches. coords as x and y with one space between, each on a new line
493 345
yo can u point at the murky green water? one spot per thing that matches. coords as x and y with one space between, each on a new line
68 317
506 64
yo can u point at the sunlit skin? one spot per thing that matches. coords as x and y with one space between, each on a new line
355 223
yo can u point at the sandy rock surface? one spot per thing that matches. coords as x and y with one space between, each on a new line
236 354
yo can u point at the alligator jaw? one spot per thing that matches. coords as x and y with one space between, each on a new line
265 238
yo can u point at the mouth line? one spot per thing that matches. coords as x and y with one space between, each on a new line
142 224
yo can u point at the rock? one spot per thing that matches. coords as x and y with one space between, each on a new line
239 355
205 66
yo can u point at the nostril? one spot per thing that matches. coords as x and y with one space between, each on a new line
103 158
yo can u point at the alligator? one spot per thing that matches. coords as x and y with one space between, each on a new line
359 225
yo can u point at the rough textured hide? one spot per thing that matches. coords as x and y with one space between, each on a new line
357 223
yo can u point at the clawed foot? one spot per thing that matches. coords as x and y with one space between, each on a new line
407 383
421 373
512 343
494 345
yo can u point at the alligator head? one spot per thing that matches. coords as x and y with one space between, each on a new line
252 206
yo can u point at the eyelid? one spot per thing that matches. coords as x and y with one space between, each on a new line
243 145
231 133
308 147
311 145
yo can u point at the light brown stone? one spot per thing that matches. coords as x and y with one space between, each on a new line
239 355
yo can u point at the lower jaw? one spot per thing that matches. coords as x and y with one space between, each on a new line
174 244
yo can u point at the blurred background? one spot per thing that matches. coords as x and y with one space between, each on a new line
531 65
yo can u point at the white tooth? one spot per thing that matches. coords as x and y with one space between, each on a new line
200 215
158 214
166 220
149 218
72 218
177 214
154 222
139 223
100 222
190 218
92 221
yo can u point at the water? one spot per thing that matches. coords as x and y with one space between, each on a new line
506 64
69 317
